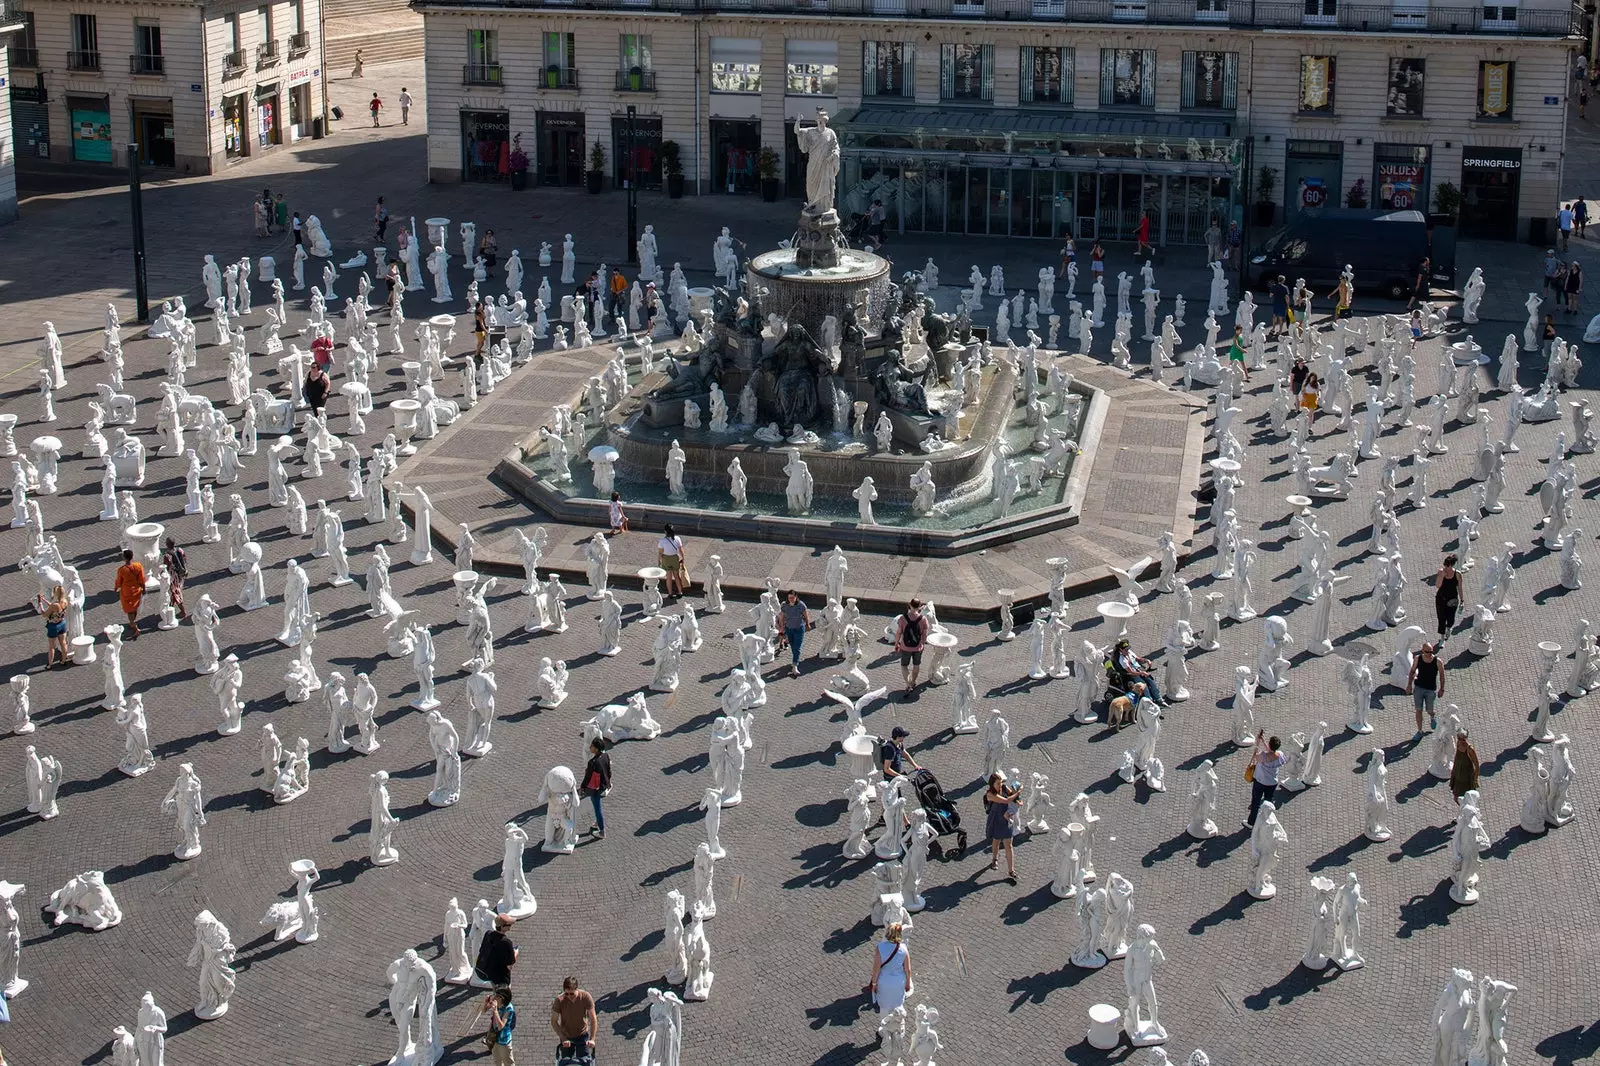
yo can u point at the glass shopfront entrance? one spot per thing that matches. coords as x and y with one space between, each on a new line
1491 180
1094 186
561 147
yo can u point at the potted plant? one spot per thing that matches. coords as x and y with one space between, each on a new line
1266 184
518 162
552 76
636 78
597 168
1357 196
1446 202
672 167
767 167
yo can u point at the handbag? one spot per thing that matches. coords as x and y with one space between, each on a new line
1250 771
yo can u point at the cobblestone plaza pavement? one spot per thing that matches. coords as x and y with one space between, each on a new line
791 944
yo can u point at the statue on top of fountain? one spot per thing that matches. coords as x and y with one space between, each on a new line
896 387
795 365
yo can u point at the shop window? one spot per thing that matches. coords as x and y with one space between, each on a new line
966 72
1210 80
735 65
1127 77
811 68
887 69
1400 177
1316 84
1495 84
1047 75
1405 87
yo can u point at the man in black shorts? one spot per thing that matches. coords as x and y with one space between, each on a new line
910 637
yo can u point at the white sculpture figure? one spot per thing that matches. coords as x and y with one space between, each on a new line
799 487
1377 797
213 953
457 964
865 495
293 776
423 657
1348 904
727 760
23 724
184 802
380 829
11 982
676 460
85 900
996 743
1244 705
1466 850
1536 808
1358 679
697 955
137 759
111 666
1203 801
1320 943
446 746
858 800
1266 850
568 261
1559 810
413 986
516 897
1091 911
1272 663
553 604
1141 1020
1119 917
560 795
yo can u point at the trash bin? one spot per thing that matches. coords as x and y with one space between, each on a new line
1539 231
317 132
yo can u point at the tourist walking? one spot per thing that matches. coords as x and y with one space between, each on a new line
891 970
1464 770
1447 587
671 557
597 783
999 801
1552 272
55 625
375 105
380 219
796 620
1310 397
176 560
489 249
1580 214
573 1020
355 71
316 388
1564 225
1425 684
1280 307
130 590
895 755
502 1026
496 955
619 521
1236 351
1262 773
404 100
910 637
1574 286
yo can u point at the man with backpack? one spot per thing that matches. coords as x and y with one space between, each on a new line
910 637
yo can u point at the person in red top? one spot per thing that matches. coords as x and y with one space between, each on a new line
322 351
374 106
1143 236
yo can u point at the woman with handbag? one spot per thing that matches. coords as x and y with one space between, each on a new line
891 971
597 782
671 557
1262 773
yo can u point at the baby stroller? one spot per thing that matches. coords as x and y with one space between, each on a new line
855 230
942 813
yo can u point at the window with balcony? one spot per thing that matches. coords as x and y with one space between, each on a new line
1405 87
966 72
1501 16
232 54
24 50
483 58
267 49
299 39
1496 80
560 61
1210 81
735 65
1127 77
635 71
1046 76
1316 84
811 68
85 54
146 58
887 69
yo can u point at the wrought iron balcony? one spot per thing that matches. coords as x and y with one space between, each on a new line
147 65
233 63
299 44
480 74
83 61
267 55
636 81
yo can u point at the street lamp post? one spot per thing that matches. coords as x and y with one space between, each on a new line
141 293
633 192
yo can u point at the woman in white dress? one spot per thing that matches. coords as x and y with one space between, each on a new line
891 970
